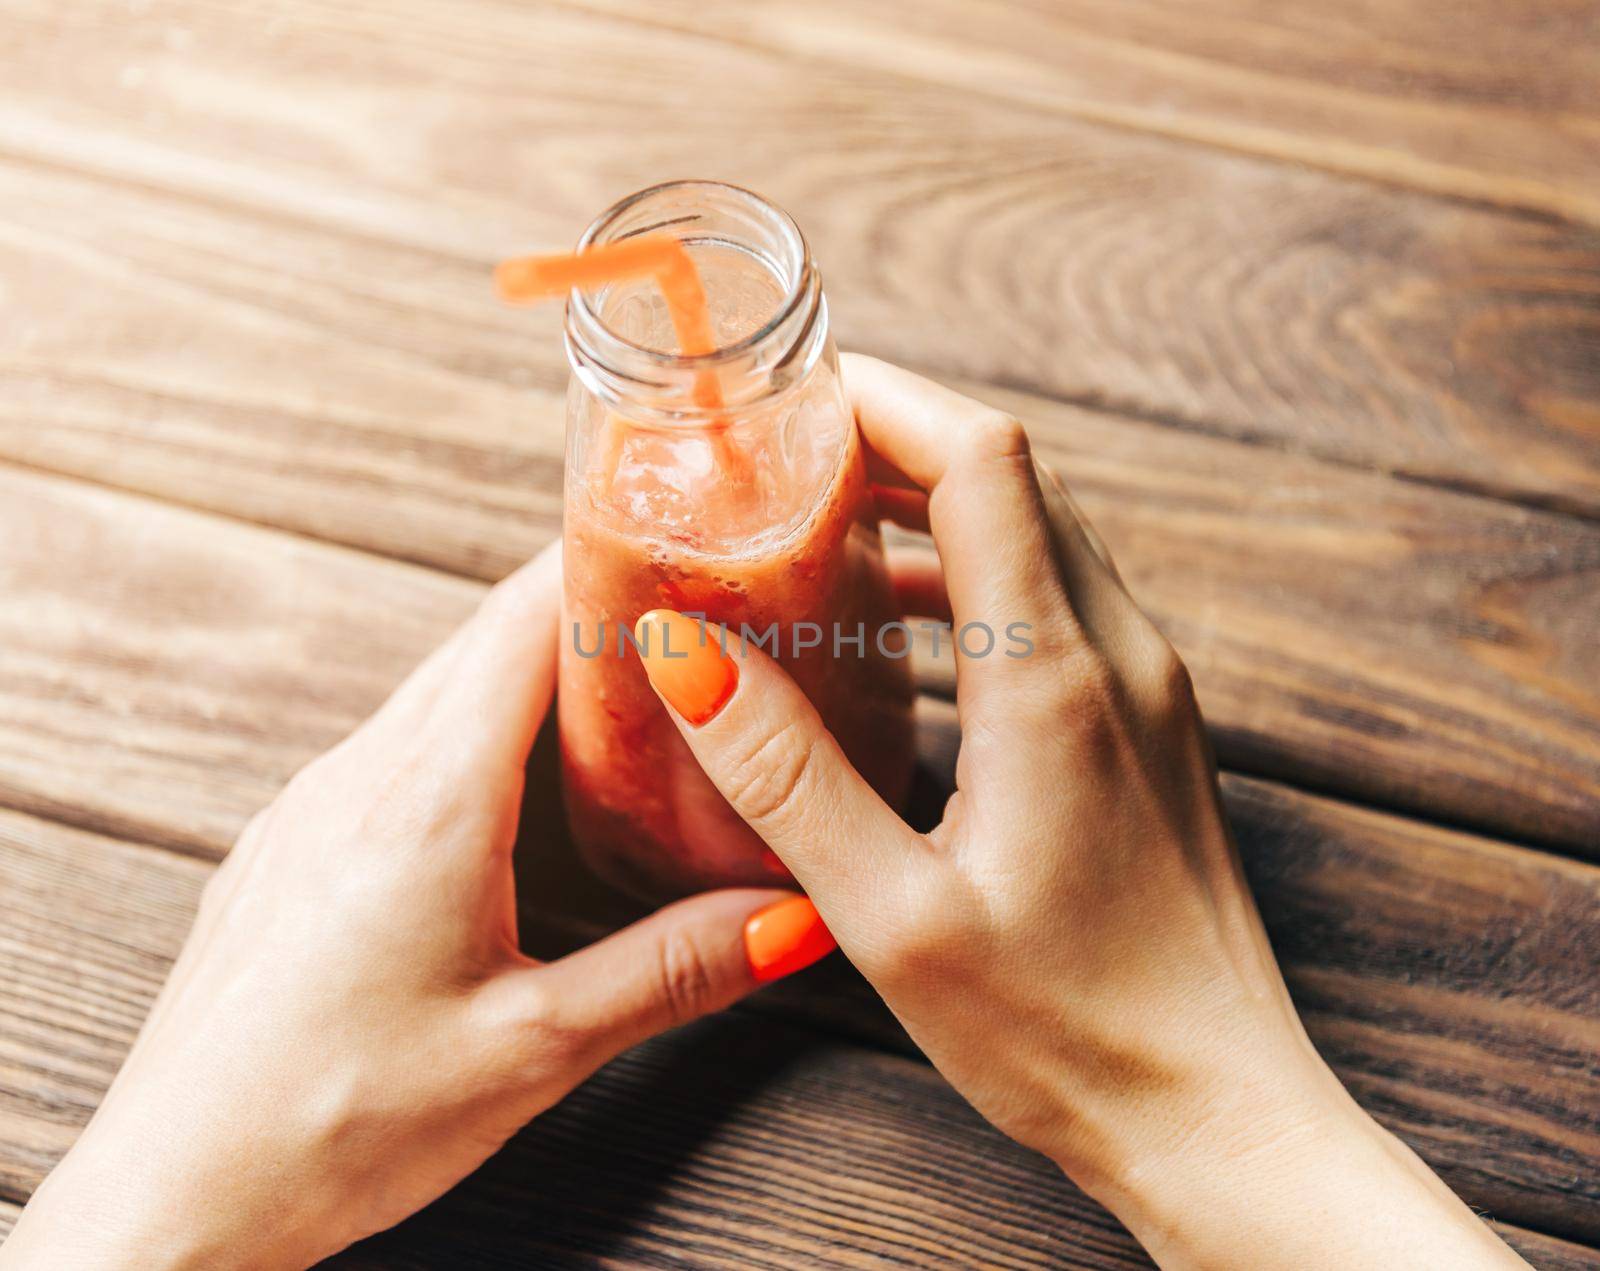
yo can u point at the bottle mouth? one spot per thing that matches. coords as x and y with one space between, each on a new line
704 216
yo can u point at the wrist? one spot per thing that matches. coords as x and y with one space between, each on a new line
1190 1178
1285 1169
1206 1125
122 1199
110 1224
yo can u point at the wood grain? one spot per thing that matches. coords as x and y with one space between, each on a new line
1479 101
1207 290
89 930
1410 647
753 1140
1399 643
745 1142
162 674
1548 1254
1440 975
166 671
736 1143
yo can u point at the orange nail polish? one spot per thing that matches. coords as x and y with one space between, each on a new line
682 658
786 937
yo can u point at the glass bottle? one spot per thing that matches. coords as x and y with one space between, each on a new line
755 513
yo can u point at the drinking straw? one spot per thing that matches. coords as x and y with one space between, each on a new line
529 279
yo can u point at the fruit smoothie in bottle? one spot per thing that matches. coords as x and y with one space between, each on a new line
728 483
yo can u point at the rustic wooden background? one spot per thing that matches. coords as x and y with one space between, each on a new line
1303 300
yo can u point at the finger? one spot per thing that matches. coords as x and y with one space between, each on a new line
918 581
762 743
492 694
692 958
1130 642
906 508
987 515
1097 594
1056 492
881 472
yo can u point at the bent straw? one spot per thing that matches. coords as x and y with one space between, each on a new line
532 278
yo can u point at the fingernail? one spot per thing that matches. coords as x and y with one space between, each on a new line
786 937
684 662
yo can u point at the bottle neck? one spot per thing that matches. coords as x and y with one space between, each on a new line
762 289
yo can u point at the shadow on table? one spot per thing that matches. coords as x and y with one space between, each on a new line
600 1176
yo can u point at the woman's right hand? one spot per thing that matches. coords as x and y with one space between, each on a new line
1075 946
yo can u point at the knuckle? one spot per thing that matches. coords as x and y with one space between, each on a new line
1089 684
542 1026
1087 704
531 1027
996 435
687 985
1082 686
1172 685
927 944
770 781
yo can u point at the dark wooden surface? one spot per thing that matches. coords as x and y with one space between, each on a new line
1303 303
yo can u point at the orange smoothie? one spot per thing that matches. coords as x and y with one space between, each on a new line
644 814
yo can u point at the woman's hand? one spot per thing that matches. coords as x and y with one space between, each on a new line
350 1027
1074 946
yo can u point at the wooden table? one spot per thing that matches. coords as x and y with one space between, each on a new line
1304 301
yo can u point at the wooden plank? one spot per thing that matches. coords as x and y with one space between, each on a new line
1547 1253
753 1140
1481 101
1203 289
1452 981
1454 985
89 930
742 1143
1398 643
1424 650
472 1229
164 673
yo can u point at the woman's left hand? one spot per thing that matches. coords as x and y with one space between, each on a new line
351 1027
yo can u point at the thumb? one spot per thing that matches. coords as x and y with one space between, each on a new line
689 959
764 746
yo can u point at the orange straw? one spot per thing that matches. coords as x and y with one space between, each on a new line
529 279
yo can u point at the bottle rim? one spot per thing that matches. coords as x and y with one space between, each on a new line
657 386
798 276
